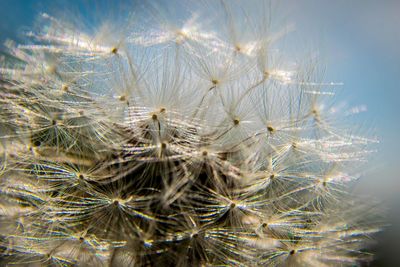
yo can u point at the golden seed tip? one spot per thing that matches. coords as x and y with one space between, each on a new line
36 143
114 50
51 69
195 235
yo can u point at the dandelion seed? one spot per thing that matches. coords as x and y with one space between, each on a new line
150 139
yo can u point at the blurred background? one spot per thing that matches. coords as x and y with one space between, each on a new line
359 42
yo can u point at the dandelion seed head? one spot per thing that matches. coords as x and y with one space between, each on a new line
148 138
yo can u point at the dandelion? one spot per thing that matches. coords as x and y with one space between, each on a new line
163 140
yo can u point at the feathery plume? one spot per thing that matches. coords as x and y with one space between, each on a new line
158 139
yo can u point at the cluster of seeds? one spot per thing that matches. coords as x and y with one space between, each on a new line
160 140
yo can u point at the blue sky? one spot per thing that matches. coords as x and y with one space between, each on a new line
359 42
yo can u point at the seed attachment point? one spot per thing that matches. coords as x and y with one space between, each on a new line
36 143
114 50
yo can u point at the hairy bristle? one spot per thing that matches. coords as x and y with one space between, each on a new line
171 135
